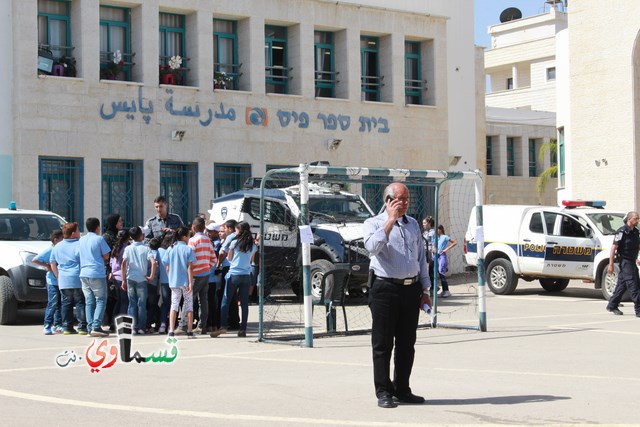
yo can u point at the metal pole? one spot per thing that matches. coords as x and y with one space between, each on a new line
434 285
480 253
306 258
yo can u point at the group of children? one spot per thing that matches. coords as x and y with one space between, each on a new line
119 273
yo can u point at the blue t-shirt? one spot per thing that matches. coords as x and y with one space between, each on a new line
45 256
67 255
138 256
225 248
161 265
92 249
241 262
178 258
443 241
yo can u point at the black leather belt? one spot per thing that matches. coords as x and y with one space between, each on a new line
408 281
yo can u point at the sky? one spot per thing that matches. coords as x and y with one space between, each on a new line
487 12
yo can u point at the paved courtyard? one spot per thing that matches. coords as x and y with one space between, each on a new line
546 359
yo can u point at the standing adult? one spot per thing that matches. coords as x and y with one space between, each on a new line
399 287
65 266
112 224
626 244
163 221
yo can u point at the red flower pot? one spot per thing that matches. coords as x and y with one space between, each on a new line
167 79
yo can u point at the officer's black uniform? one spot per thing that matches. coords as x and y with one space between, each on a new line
628 241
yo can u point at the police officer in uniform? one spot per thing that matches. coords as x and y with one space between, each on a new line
399 287
626 245
163 222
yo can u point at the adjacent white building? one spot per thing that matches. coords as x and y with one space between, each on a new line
600 121
106 104
520 68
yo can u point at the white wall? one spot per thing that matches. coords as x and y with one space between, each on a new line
6 109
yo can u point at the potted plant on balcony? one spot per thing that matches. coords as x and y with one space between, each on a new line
221 80
112 70
68 64
171 73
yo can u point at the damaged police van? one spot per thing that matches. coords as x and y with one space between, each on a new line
336 219
545 243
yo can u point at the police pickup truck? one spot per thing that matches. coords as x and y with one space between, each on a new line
23 234
336 219
550 244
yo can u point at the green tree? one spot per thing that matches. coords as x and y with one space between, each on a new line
550 147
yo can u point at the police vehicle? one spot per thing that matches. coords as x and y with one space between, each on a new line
23 234
336 219
545 243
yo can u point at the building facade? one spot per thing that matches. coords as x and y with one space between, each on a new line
600 121
520 70
108 104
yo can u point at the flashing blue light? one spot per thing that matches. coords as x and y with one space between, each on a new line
13 206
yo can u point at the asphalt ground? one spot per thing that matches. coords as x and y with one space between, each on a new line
546 359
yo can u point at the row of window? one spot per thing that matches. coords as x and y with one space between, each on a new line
61 188
117 57
534 167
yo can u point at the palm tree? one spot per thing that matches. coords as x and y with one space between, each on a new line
551 147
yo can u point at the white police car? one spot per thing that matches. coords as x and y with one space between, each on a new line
23 234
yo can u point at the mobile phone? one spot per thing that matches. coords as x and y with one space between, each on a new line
388 199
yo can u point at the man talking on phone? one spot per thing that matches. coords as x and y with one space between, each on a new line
399 280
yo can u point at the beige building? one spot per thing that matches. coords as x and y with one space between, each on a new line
520 68
106 104
600 119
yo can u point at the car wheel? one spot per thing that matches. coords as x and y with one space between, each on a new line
318 268
608 282
500 277
554 285
8 302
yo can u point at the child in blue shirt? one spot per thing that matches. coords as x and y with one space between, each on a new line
135 262
240 255
165 291
52 318
179 261
445 243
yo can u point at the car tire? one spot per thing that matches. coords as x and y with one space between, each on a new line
554 285
8 302
318 268
500 277
608 281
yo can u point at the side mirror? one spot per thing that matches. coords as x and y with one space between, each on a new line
589 233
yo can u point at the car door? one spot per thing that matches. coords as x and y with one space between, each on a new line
532 244
570 247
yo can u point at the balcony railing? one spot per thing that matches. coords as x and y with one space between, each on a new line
56 60
111 70
232 80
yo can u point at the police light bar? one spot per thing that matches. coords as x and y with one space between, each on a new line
578 203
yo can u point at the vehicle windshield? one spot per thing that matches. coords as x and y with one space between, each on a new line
607 222
338 208
22 227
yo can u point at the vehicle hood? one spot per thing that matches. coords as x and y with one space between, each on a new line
348 232
30 246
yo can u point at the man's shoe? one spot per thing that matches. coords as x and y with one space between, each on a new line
242 334
386 402
99 333
180 331
163 328
216 333
445 294
615 311
410 398
190 336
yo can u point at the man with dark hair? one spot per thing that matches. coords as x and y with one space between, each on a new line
94 251
399 280
163 221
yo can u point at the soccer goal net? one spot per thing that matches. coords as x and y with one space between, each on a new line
313 266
